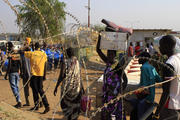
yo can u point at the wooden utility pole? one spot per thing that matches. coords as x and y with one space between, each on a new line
88 13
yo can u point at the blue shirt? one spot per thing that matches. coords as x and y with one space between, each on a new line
49 53
6 63
56 54
149 76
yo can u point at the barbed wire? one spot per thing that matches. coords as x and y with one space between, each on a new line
140 89
16 12
37 104
130 93
55 15
89 29
102 35
7 2
43 19
111 101
59 103
36 9
74 17
66 88
77 35
83 61
3 29
60 34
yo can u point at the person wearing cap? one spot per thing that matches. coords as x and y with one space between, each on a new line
28 41
26 72
38 61
169 105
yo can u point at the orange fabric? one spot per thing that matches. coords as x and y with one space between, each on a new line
130 51
37 61
28 39
137 50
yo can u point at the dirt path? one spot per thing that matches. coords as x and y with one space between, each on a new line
95 70
49 85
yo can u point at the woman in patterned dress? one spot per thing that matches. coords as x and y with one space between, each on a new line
71 88
114 82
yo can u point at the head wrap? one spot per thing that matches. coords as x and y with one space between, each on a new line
28 39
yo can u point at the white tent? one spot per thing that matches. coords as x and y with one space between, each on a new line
157 39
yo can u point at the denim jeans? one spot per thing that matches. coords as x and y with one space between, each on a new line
142 109
14 83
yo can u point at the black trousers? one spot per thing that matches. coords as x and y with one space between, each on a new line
169 114
56 61
36 83
26 88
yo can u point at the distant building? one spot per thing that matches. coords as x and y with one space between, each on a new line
146 35
175 33
10 37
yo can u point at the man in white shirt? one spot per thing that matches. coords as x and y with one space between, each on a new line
169 105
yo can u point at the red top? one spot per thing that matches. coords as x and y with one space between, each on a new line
167 103
137 50
130 51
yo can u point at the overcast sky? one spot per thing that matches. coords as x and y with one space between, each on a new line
146 14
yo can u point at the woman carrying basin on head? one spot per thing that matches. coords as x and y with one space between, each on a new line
114 82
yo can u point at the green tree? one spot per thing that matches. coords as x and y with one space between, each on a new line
98 27
32 24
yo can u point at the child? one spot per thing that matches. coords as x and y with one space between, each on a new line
145 99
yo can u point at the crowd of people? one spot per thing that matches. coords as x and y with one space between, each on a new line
168 107
30 63
149 47
115 82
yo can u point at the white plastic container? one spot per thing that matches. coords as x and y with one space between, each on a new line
114 41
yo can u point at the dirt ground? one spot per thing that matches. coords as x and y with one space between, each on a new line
94 69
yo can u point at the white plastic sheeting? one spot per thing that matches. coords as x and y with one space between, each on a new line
157 39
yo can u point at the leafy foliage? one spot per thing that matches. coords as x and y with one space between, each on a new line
32 24
98 27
